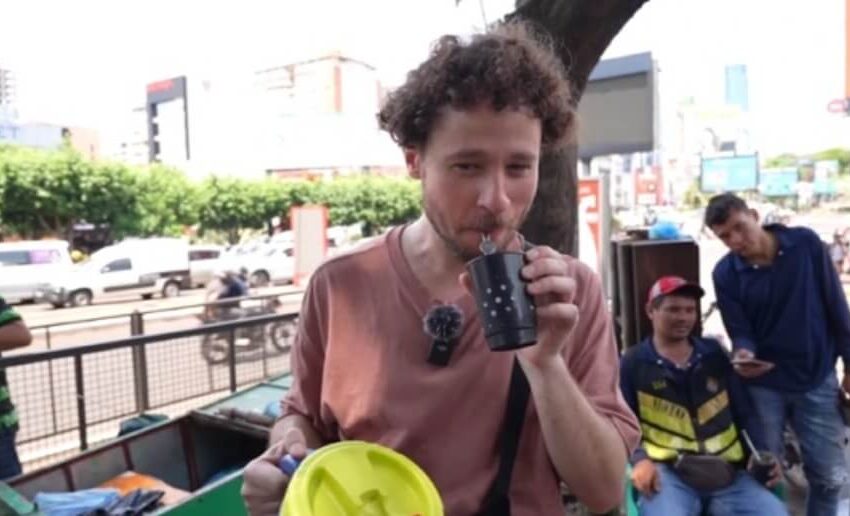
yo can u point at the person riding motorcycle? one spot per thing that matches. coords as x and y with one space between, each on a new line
227 284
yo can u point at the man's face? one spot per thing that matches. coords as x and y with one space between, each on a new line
740 232
675 317
479 175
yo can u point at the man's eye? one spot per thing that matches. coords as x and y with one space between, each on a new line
519 169
465 168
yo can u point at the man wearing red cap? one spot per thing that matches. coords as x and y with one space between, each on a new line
692 408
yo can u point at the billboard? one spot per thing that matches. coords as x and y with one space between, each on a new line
617 113
168 121
729 174
649 186
779 182
825 176
590 221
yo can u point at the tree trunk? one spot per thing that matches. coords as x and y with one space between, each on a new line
582 30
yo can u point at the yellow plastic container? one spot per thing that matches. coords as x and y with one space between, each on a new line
354 478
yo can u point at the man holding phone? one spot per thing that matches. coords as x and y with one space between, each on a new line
785 310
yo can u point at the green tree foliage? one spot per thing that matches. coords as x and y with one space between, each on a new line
43 193
792 160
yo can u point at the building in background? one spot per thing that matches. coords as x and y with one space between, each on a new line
737 89
317 119
168 122
8 88
47 136
129 142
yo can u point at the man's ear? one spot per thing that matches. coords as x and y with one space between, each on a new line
413 160
754 212
649 310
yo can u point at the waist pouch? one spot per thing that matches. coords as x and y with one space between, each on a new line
705 472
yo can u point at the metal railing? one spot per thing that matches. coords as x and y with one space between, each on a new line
71 398
135 319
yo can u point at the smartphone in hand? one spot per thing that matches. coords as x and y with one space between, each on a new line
751 362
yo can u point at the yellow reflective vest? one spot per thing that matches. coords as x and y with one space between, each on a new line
691 415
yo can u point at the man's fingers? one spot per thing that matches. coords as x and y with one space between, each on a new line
545 266
263 487
560 287
294 443
656 482
567 314
743 354
775 475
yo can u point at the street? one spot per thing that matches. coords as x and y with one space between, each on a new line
179 378
110 319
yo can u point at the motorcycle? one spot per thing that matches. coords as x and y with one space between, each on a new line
215 347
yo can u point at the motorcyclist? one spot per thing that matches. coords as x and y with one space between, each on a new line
227 284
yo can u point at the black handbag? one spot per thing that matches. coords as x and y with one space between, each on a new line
705 472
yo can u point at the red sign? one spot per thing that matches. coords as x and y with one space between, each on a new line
590 209
649 186
160 86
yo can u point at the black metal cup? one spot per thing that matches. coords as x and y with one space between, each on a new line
506 309
761 469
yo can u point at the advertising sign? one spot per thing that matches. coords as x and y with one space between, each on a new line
779 182
729 174
590 221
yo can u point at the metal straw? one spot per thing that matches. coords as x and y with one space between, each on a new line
750 445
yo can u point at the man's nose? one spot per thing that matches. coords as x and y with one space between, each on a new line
494 193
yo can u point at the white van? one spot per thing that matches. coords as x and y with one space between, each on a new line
204 261
137 266
26 267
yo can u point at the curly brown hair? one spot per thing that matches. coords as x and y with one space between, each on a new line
512 66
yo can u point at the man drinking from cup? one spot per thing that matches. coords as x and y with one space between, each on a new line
472 122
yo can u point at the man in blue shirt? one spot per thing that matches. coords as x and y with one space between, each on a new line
785 310
692 407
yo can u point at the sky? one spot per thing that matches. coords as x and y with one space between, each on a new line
86 62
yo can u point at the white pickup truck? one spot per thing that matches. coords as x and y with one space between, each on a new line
140 266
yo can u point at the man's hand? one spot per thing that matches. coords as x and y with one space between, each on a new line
553 292
645 478
749 370
264 483
773 477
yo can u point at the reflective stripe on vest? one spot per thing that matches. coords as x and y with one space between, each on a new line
668 440
726 440
668 430
712 407
659 453
665 414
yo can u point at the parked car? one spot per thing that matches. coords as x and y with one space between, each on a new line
26 267
265 263
140 266
204 261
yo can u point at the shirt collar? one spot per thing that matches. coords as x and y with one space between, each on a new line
783 237
652 354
